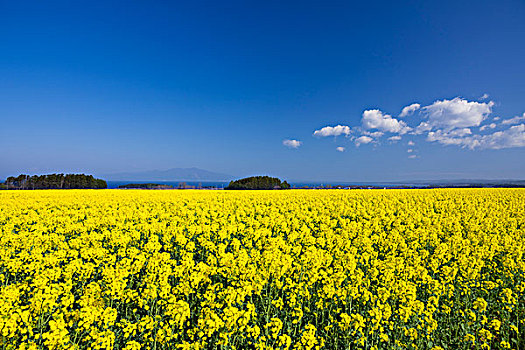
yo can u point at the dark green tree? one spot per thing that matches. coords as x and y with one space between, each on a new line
53 181
258 183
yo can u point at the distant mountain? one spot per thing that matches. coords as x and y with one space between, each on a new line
174 174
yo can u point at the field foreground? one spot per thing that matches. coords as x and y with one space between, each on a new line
300 269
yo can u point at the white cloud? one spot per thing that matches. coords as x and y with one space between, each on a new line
460 132
408 110
455 137
456 113
394 138
333 131
512 137
422 128
363 140
292 143
460 122
375 134
412 156
509 138
515 120
410 150
375 119
488 126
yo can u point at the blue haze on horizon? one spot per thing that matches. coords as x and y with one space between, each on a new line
240 88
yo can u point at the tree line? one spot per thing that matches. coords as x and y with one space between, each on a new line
258 183
53 181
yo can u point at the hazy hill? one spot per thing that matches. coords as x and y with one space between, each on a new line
174 174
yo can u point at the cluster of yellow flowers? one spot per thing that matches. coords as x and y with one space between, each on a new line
301 269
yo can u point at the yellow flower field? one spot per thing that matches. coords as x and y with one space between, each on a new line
300 269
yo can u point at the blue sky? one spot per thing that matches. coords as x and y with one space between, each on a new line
241 88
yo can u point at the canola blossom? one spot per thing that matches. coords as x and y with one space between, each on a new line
301 269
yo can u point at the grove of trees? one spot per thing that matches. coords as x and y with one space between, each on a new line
258 183
53 181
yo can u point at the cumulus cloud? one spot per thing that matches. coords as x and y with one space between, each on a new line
410 150
512 137
363 140
292 143
460 132
422 128
412 156
488 126
456 113
333 131
340 149
408 110
467 124
515 120
449 138
394 138
375 119
454 137
509 138
375 134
